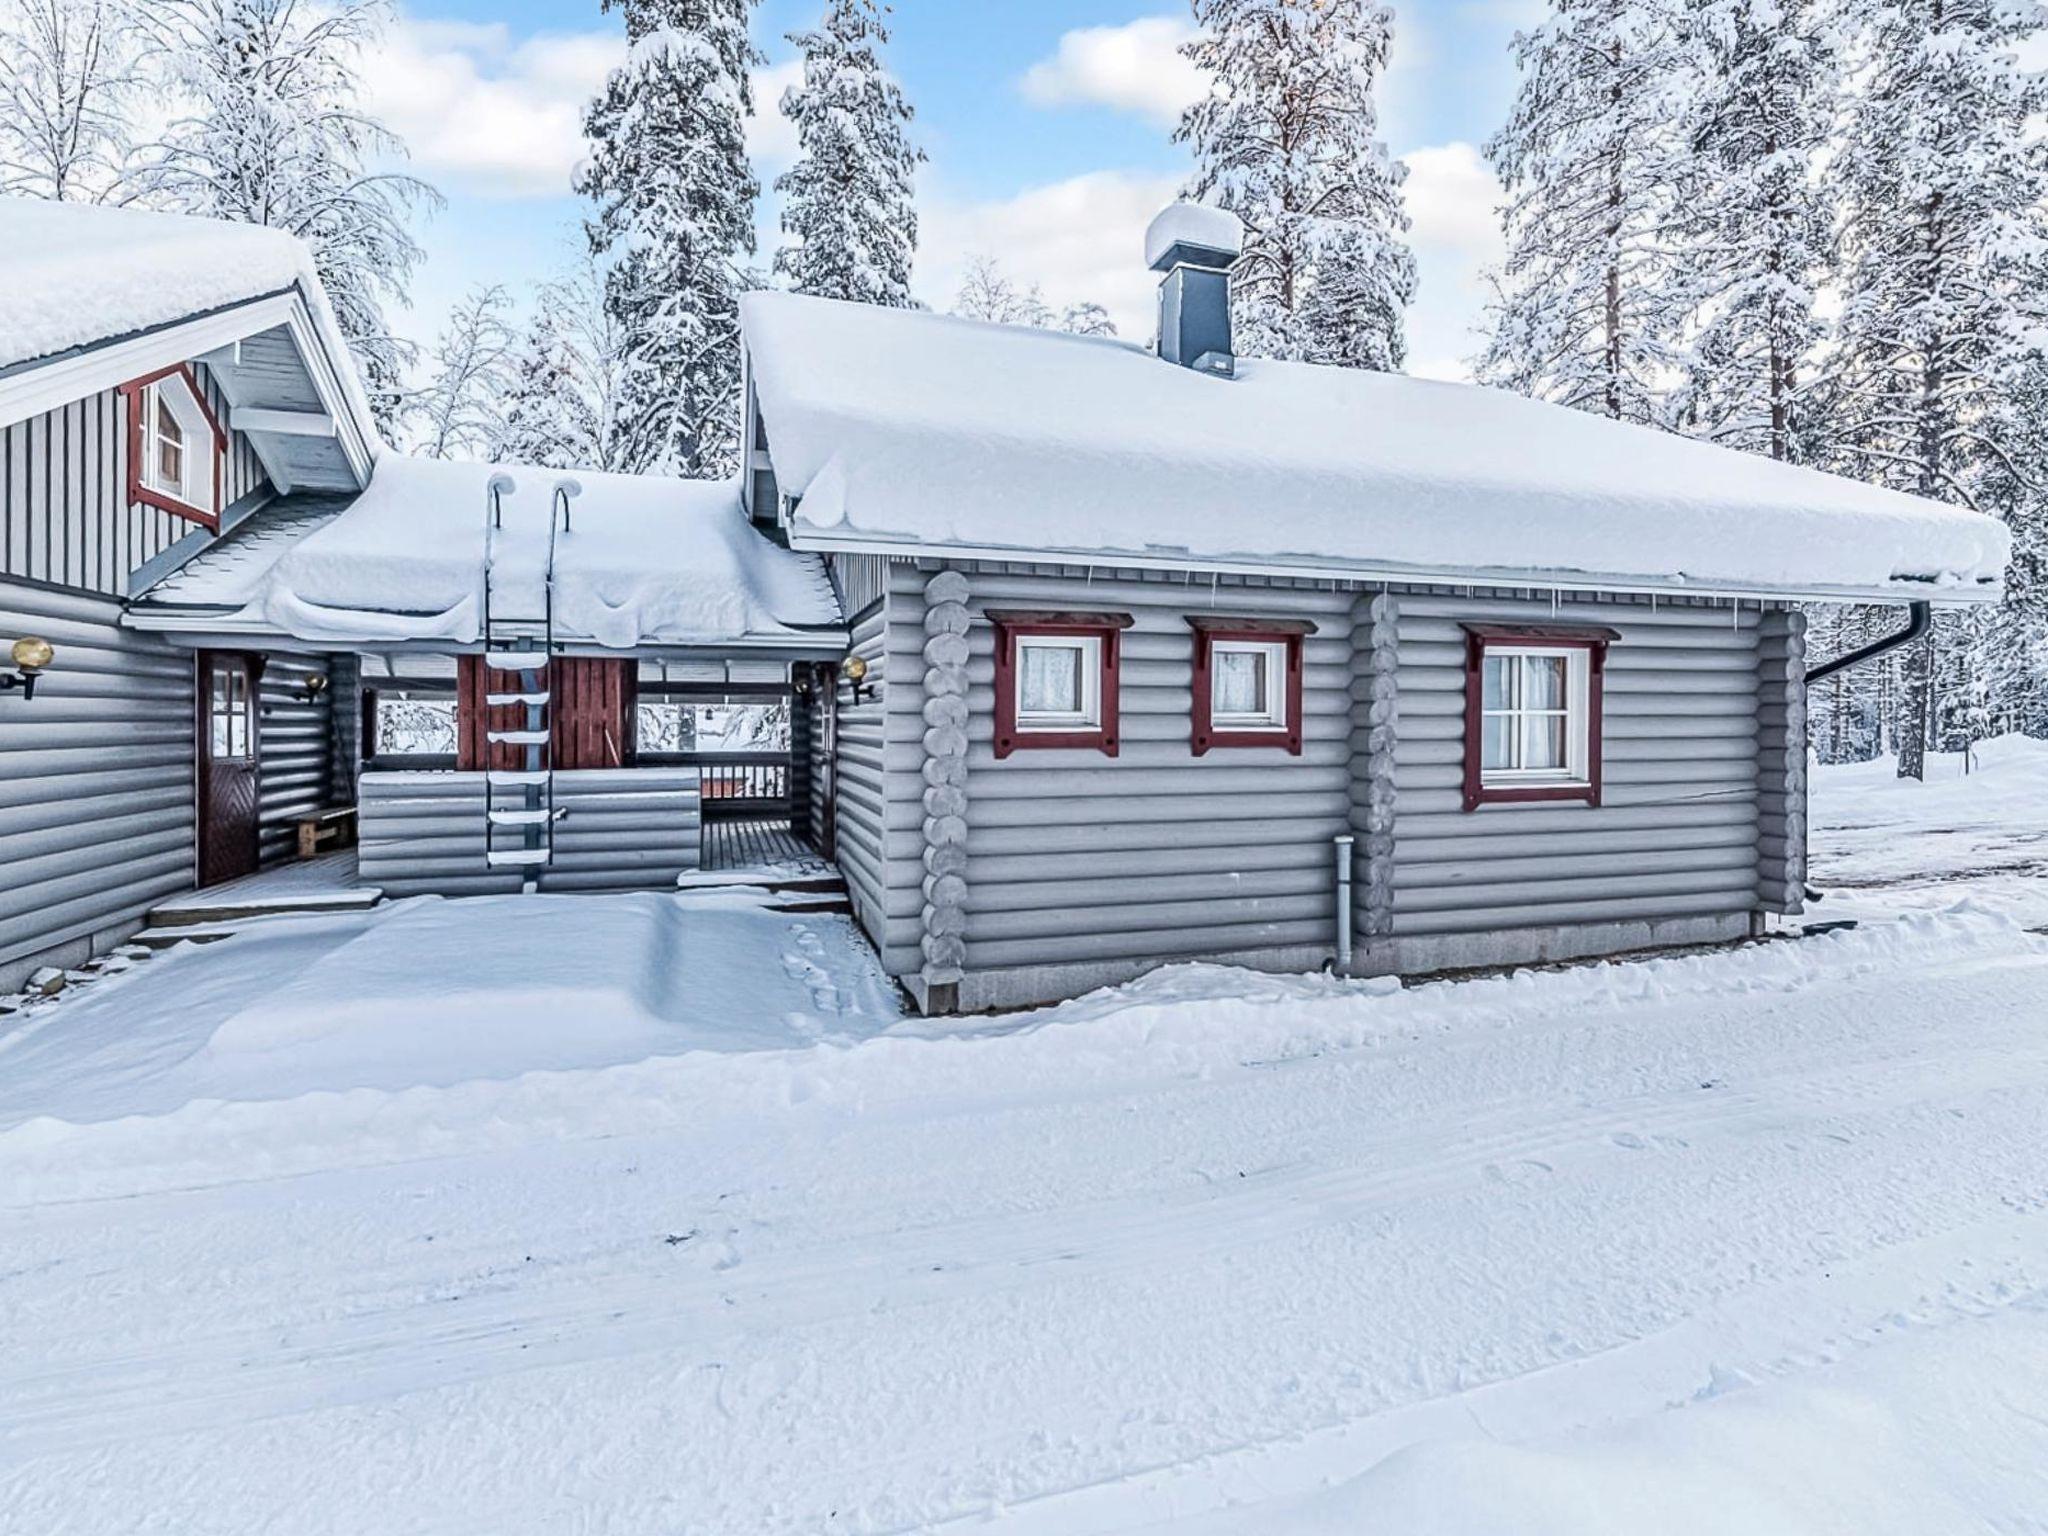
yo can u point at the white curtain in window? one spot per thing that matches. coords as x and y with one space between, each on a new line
1051 680
1240 683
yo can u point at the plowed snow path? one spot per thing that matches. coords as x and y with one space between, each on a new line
1090 1290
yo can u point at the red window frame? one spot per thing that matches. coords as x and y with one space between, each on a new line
1479 639
1209 628
1011 625
133 394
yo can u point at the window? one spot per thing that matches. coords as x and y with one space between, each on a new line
228 713
1532 713
175 446
1056 680
1247 682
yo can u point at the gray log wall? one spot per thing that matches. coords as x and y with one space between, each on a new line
626 829
295 747
1082 869
96 781
64 512
880 847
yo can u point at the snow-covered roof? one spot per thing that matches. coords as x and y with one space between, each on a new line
76 274
647 561
906 430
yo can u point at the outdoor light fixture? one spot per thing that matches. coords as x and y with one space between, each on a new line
855 670
311 690
31 654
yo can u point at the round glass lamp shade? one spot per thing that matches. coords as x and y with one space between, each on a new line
32 653
855 668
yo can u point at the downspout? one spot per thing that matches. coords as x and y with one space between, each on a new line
1344 842
1919 619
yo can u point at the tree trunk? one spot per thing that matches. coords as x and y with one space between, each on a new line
1915 706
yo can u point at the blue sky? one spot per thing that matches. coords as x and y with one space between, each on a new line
1048 124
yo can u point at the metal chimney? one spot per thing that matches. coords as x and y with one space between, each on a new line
1195 247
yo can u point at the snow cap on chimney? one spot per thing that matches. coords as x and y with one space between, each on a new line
1195 247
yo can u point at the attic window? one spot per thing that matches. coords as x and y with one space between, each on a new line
1533 704
1056 680
176 448
1247 682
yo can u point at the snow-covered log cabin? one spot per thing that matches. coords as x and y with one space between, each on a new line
1096 656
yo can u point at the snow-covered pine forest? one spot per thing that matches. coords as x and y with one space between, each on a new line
1811 229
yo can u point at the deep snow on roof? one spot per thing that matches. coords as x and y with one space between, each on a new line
646 560
78 274
896 427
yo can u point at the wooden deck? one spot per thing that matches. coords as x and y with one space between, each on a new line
757 844
326 884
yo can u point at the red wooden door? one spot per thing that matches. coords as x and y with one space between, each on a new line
230 782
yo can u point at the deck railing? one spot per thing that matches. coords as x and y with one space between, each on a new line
740 784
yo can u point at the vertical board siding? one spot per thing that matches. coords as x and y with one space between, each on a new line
625 830
880 787
1155 854
65 518
295 751
96 774
1677 833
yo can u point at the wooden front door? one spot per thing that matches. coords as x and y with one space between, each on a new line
229 780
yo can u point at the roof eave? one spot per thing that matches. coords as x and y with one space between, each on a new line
805 536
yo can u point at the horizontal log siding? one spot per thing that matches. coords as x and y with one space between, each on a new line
1155 854
96 777
880 787
64 512
626 829
295 753
1677 834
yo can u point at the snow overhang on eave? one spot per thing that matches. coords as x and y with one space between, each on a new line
225 628
30 388
816 540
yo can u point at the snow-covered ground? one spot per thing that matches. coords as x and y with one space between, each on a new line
457 1219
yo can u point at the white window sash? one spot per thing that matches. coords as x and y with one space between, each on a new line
1576 712
1272 656
1088 649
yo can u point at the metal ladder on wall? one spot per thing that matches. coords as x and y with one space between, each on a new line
519 803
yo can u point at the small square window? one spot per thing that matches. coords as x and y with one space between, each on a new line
1056 680
1532 711
175 447
1247 682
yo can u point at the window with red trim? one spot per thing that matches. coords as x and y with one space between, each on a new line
1056 680
177 448
1247 682
1533 703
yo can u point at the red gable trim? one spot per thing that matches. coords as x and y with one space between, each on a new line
138 493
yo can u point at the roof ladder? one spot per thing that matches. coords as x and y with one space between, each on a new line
519 803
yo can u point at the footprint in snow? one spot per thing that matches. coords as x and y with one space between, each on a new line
1630 1140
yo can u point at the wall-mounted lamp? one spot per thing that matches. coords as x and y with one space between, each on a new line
31 655
855 670
312 690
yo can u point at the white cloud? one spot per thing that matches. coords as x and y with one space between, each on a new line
490 115
1452 196
484 113
1136 68
1080 239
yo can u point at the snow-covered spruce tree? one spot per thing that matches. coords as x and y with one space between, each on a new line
1588 311
568 376
1287 139
1945 276
67 82
460 412
271 132
1755 225
849 200
674 221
